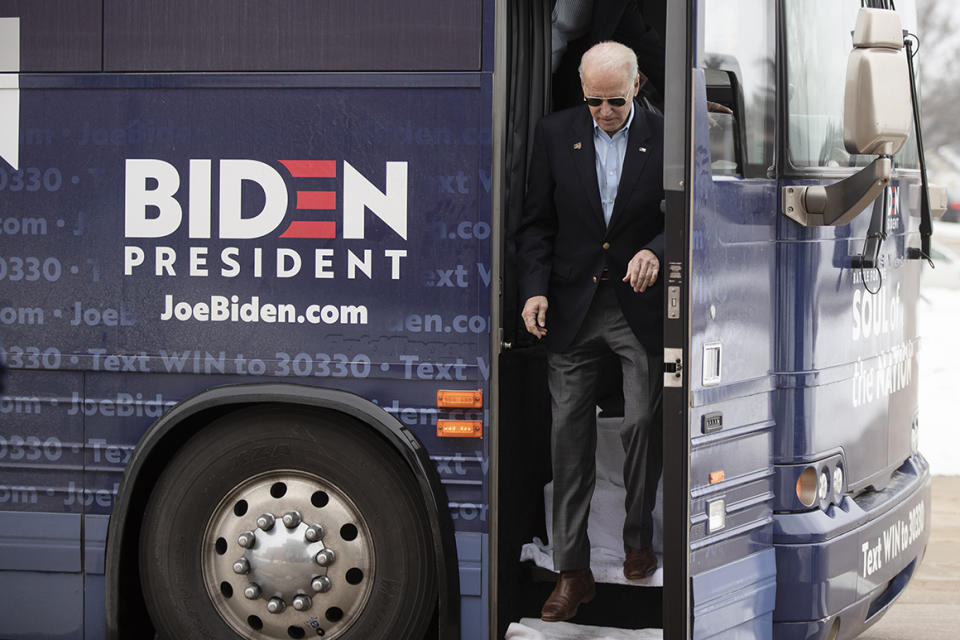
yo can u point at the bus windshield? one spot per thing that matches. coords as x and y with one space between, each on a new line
816 67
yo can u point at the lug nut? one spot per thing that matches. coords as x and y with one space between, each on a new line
251 591
246 539
291 519
325 557
276 605
241 566
266 521
321 584
313 533
302 602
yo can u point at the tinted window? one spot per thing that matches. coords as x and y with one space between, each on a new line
291 35
57 35
740 61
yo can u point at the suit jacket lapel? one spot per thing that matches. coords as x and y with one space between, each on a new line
633 162
584 157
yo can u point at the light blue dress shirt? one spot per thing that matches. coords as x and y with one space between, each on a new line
610 153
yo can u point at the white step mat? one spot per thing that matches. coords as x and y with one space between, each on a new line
535 629
606 516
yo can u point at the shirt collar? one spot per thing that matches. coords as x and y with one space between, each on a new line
598 131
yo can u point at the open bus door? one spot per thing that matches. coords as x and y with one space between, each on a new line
721 207
718 559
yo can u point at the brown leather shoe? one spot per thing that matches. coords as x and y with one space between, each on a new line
639 564
573 589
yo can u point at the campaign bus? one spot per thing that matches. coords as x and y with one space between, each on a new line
265 372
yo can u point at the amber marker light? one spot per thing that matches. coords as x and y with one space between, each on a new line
807 486
459 428
717 476
447 399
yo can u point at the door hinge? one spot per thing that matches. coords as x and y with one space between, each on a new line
672 367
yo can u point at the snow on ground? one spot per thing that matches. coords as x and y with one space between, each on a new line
938 315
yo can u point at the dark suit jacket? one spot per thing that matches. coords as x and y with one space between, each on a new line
562 237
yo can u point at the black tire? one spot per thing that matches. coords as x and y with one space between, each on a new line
382 579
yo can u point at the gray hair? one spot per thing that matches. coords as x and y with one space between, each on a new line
612 56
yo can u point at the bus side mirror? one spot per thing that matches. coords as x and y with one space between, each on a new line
876 101
876 120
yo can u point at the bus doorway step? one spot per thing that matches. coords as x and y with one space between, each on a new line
606 562
536 629
606 517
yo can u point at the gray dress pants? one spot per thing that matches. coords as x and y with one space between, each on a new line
571 377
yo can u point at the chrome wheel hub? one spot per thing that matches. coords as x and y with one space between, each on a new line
287 555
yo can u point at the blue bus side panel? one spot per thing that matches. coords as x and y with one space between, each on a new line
98 308
41 439
474 585
847 363
847 386
94 596
41 605
731 424
92 310
97 344
40 575
736 600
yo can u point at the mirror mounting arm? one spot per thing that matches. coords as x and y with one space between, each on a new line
838 203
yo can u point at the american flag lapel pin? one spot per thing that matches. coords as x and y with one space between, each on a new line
578 145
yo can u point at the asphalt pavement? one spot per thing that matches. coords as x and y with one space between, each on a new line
929 608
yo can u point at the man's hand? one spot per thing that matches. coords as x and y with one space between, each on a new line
716 107
534 315
642 270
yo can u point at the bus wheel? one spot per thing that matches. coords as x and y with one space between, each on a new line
281 523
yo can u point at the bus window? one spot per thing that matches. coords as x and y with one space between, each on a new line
54 35
816 71
219 35
748 86
726 132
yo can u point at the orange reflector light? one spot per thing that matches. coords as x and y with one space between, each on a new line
459 399
459 428
716 476
808 486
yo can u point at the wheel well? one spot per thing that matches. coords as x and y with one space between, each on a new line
131 611
165 437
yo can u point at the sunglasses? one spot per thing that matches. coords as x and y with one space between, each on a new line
596 102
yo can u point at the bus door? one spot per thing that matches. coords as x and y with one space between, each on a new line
719 337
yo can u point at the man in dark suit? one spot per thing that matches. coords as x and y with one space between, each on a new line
589 248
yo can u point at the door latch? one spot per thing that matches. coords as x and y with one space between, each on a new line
672 367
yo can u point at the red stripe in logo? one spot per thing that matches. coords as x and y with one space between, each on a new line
316 199
311 168
312 200
311 229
